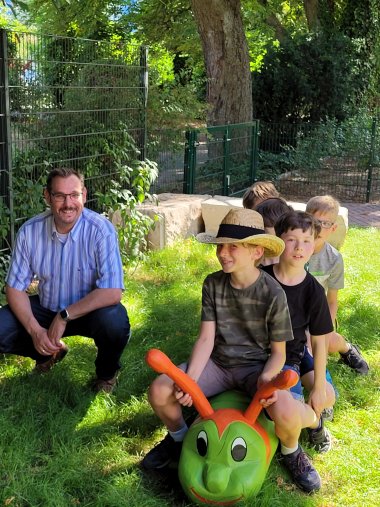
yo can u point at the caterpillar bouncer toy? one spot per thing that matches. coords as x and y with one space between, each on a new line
227 451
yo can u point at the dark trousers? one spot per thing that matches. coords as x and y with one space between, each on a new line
108 327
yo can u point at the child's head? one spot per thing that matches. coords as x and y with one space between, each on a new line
258 192
325 209
299 231
297 220
244 227
271 209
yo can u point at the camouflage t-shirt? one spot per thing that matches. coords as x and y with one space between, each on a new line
247 320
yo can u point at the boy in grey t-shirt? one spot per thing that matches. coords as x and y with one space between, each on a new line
245 325
326 265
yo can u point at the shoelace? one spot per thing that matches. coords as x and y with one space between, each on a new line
300 464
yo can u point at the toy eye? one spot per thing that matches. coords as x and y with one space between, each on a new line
238 449
202 443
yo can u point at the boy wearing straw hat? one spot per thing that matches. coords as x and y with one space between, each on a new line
245 325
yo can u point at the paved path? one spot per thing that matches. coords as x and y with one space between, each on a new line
364 215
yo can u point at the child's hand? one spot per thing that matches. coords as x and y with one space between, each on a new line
317 400
264 379
183 398
267 402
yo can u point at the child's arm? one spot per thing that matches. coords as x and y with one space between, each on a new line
317 397
332 300
272 367
274 364
202 349
199 356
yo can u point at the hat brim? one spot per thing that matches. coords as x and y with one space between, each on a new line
273 246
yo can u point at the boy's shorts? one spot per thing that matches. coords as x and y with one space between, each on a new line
307 365
216 379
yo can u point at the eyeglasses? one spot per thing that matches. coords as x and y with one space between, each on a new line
325 224
59 197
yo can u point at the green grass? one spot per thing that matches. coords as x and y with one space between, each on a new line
63 446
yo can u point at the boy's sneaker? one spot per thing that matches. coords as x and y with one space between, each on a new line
303 473
166 451
320 438
328 414
354 360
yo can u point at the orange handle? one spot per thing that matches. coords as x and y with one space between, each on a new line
162 364
284 380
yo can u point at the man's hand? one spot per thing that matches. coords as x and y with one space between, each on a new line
42 342
183 398
56 330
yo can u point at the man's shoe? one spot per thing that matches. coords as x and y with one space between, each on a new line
165 452
101 385
319 438
354 360
46 366
328 414
303 473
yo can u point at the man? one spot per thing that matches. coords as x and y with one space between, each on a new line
73 253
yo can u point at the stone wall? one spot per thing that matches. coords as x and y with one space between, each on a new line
182 216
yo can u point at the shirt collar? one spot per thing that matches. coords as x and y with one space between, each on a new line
74 231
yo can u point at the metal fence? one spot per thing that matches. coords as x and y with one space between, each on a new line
216 160
302 159
64 102
326 158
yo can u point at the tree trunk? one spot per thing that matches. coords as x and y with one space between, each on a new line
229 90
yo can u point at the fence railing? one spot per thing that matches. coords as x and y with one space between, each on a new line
303 160
64 102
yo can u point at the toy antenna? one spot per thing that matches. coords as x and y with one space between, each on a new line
284 380
162 364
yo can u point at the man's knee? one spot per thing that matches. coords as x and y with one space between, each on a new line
112 322
9 329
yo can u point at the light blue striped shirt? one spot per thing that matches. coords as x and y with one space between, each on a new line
89 259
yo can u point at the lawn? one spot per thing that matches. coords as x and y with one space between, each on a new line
63 446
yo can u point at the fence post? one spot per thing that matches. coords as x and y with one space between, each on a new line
189 162
226 161
144 96
371 159
5 139
254 149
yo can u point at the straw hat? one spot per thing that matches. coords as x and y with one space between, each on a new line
242 225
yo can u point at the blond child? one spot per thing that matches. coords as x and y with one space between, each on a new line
326 265
258 192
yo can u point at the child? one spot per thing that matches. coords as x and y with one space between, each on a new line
271 209
258 192
241 344
326 264
308 311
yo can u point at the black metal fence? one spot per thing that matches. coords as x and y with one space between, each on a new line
64 101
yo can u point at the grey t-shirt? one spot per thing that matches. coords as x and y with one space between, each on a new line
247 320
327 267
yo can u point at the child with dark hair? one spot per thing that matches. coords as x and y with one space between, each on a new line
258 192
271 209
308 311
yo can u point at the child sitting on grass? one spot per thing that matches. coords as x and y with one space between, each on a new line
245 325
326 265
308 311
